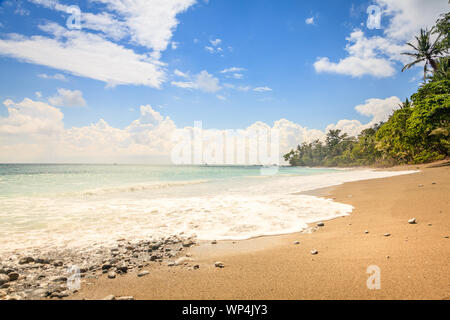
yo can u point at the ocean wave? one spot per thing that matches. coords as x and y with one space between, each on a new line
135 187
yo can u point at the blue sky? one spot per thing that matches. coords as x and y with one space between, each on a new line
227 63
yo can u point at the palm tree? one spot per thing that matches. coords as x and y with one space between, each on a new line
425 51
405 104
442 71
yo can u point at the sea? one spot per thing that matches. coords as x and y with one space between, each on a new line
61 206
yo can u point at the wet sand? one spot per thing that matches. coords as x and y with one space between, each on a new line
414 260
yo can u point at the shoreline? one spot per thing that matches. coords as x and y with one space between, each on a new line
413 259
131 268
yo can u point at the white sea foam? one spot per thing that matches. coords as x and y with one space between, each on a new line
138 187
230 211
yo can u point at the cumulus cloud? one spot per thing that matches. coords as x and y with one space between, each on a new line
215 42
203 81
407 17
378 55
29 118
309 20
378 110
34 131
68 98
367 56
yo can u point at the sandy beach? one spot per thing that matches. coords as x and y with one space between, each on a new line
414 260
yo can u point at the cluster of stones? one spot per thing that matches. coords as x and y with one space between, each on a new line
39 274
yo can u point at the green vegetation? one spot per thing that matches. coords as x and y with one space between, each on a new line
417 132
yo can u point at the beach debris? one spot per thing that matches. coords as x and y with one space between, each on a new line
142 273
387 257
58 263
412 221
446 237
387 234
59 295
350 196
320 224
188 243
182 260
219 264
214 242
13 276
26 260
433 183
125 298
42 261
112 275
195 266
46 277
314 251
3 279
106 266
420 185
171 264
123 268
58 279
13 297
429 224
366 231
109 297
296 242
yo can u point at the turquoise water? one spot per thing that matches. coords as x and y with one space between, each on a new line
38 179
83 206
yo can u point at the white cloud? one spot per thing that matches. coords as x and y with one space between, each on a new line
150 23
215 42
174 45
34 131
213 50
56 76
366 57
203 81
309 20
85 54
30 119
181 74
407 17
220 97
232 69
262 89
209 49
38 94
377 56
146 23
68 98
378 110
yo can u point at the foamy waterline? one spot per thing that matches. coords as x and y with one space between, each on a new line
262 207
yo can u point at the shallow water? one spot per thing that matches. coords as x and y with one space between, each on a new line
70 206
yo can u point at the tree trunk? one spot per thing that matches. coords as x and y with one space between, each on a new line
433 64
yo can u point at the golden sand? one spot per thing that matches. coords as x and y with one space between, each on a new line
414 261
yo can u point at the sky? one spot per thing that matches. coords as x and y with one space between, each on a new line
112 80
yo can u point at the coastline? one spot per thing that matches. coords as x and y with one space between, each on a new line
413 260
